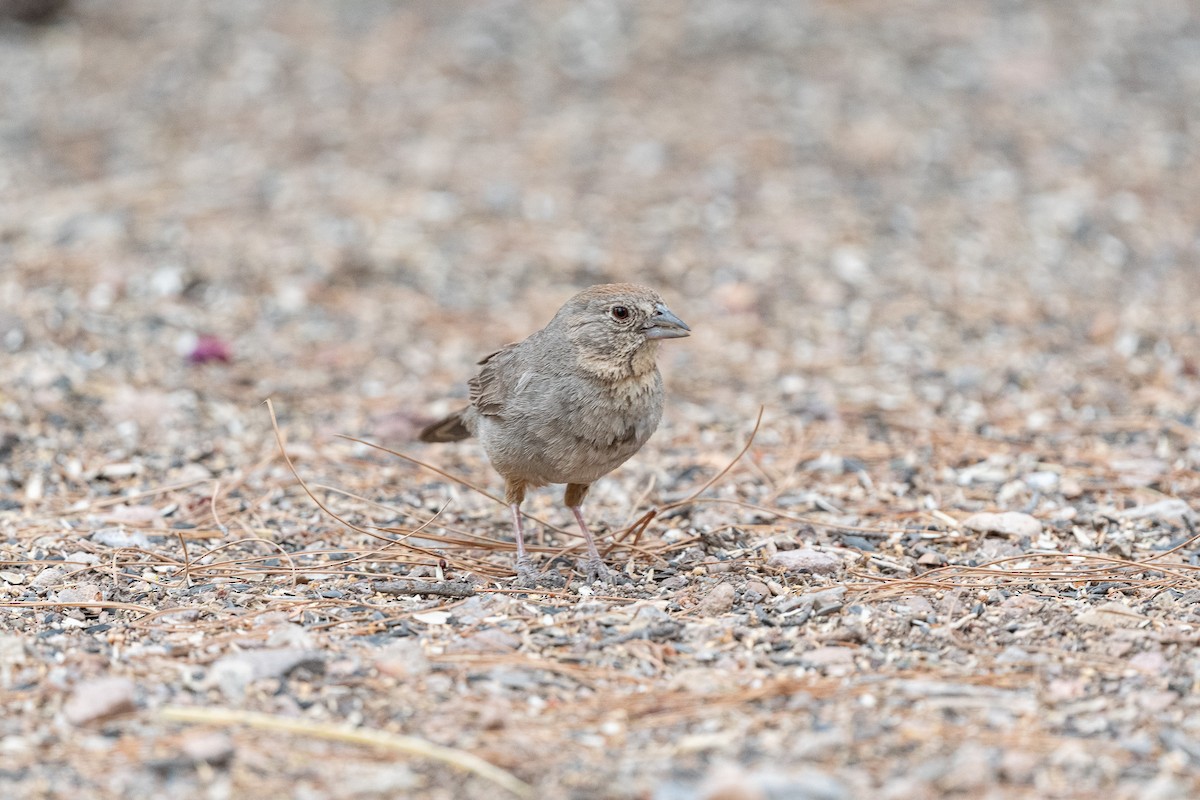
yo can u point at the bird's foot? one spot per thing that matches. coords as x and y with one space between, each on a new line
530 578
596 570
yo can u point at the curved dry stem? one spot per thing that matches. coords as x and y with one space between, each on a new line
58 604
296 474
410 745
286 555
325 508
186 579
1085 568
455 479
709 483
212 506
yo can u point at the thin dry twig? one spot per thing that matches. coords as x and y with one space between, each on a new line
62 604
455 479
1080 568
212 506
186 577
411 745
125 498
442 589
711 481
365 531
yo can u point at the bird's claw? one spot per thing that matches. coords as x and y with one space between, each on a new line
530 578
595 570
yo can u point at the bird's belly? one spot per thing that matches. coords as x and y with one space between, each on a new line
556 451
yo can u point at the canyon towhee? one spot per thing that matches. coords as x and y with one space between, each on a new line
570 403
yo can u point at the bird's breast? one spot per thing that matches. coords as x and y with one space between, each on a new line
574 432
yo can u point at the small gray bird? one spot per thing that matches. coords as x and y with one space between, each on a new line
570 403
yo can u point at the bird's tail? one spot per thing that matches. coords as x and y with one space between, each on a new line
450 429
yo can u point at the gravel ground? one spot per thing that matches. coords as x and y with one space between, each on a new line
948 249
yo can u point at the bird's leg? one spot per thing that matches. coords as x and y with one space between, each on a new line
519 534
594 568
514 493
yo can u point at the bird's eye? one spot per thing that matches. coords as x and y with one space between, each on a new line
620 312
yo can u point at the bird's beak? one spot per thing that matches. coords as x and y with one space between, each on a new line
665 325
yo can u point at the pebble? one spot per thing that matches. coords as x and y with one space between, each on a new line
132 515
118 537
828 656
79 593
1136 472
1163 509
1020 605
914 605
727 782
970 769
99 699
805 560
858 543
121 470
647 613
1164 787
488 640
208 747
1007 523
12 654
48 577
403 659
718 600
832 595
826 462
1156 701
474 610
517 678
1070 488
380 780
234 672
1151 662
35 487
287 634
1111 615
1018 766
756 591
1042 481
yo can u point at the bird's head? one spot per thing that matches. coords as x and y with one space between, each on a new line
615 328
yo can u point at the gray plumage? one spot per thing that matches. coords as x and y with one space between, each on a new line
570 403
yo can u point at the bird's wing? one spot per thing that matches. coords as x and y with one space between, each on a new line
496 381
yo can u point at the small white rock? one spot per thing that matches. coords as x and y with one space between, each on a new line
48 577
718 600
118 537
1009 523
80 593
828 656
209 747
1172 508
1111 615
120 470
1043 481
805 560
98 699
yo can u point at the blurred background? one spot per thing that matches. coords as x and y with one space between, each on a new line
876 216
